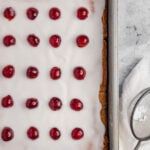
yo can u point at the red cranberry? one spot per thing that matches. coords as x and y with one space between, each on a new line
54 13
77 133
76 104
9 40
7 101
55 103
55 41
33 40
55 133
82 41
33 133
7 134
8 71
55 73
31 103
32 72
9 13
32 13
82 13
79 73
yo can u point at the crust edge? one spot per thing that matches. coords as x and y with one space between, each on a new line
103 86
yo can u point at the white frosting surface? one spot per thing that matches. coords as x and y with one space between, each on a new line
67 56
137 81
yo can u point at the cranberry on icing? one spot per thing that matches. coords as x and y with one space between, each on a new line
32 103
32 13
9 13
7 134
79 73
77 133
76 104
55 103
55 41
55 73
33 40
82 13
9 40
54 133
54 13
82 41
8 71
33 133
7 101
32 72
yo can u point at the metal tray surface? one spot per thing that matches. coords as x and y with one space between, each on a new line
113 93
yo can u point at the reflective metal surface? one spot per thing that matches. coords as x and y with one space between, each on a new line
113 75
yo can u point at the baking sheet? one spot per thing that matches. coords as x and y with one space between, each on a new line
113 75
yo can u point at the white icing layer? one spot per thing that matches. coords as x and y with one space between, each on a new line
67 56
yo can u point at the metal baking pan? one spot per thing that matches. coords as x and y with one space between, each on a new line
113 92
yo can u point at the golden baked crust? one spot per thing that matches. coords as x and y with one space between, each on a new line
103 86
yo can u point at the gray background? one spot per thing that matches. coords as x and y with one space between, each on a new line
134 34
